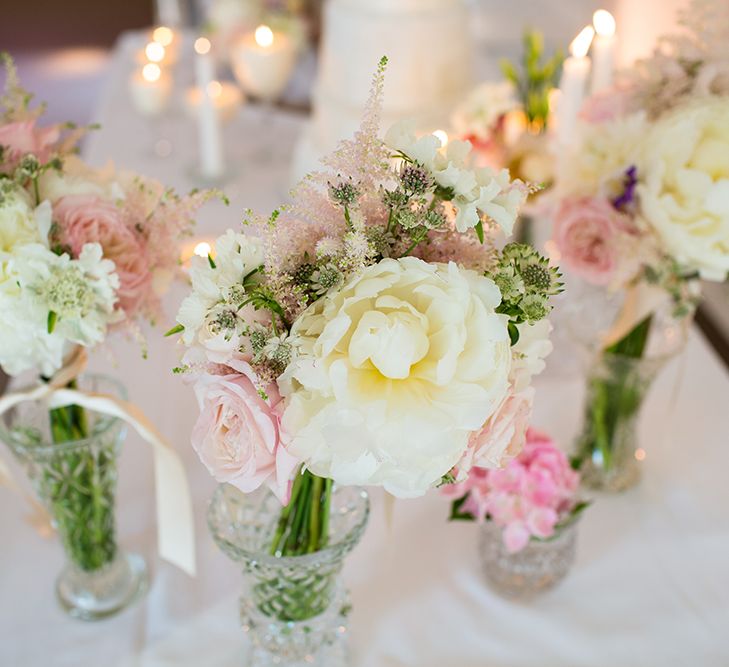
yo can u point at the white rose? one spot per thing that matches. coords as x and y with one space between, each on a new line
20 223
211 314
684 185
78 178
394 373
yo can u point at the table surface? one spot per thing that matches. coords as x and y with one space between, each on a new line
649 586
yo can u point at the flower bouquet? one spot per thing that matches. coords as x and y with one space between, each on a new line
369 333
643 210
82 252
528 511
508 121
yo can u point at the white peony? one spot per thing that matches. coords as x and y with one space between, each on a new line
394 373
481 190
35 282
211 315
684 185
20 223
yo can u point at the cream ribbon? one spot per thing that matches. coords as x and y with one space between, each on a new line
175 525
641 300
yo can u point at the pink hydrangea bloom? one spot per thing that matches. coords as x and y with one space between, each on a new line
587 231
528 497
237 435
23 137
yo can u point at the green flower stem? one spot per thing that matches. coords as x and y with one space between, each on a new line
80 488
616 398
303 526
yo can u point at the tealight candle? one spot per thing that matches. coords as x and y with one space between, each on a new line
575 72
227 99
602 51
170 39
210 140
263 61
150 89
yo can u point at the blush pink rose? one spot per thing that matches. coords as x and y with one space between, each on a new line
90 219
502 437
24 137
586 232
237 435
608 105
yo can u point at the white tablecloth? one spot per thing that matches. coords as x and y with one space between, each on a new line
650 586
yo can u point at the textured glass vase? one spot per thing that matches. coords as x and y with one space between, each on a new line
294 609
538 567
76 481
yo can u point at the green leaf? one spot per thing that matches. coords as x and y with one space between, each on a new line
211 261
175 330
52 319
479 231
513 333
457 514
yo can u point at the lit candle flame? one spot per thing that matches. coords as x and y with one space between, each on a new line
155 52
151 72
604 23
202 249
264 36
202 46
163 35
215 89
581 44
442 136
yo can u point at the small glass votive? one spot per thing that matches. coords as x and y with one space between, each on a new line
538 567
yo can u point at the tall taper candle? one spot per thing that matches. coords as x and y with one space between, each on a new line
211 145
602 51
575 71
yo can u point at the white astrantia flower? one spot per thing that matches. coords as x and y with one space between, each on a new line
481 190
393 373
20 223
683 185
210 314
80 293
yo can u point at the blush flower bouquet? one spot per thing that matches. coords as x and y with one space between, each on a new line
369 333
643 209
83 252
534 497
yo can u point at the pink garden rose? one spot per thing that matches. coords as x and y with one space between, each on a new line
237 434
502 437
90 219
587 231
24 137
528 497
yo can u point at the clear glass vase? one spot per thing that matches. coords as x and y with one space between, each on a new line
538 567
293 608
76 481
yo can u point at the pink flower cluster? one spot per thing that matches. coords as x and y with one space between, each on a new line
528 497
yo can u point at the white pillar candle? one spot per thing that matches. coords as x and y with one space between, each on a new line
602 51
150 89
226 97
210 141
263 61
575 72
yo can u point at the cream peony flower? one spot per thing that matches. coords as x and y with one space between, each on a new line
211 315
20 223
394 373
684 185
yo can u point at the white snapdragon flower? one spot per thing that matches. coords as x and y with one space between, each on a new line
37 287
211 316
475 191
393 373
